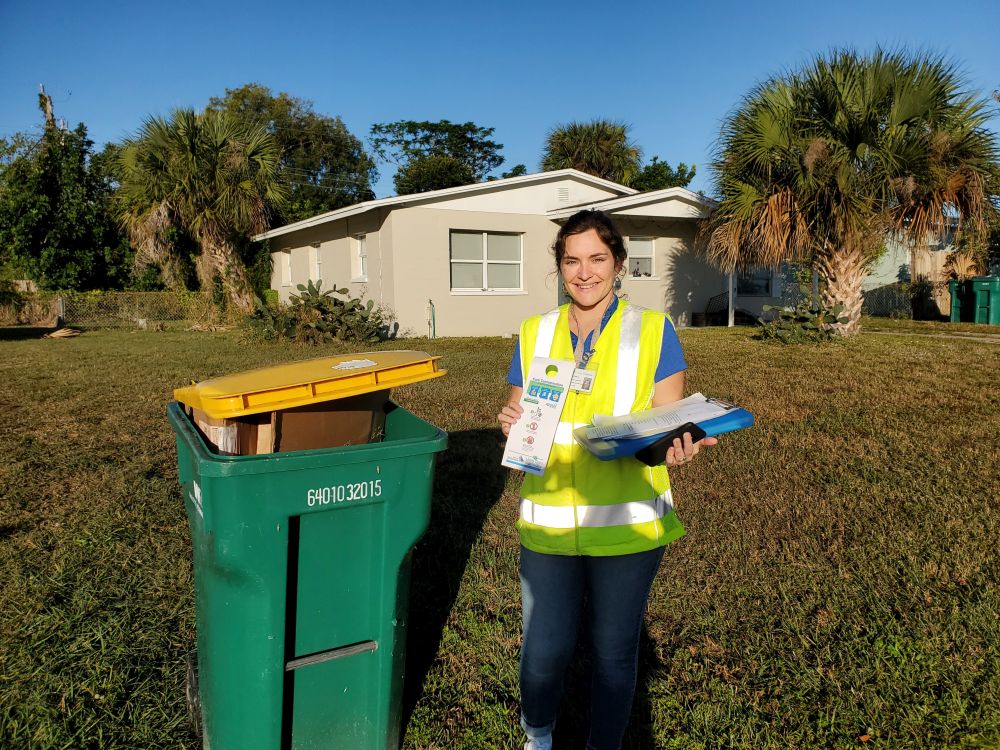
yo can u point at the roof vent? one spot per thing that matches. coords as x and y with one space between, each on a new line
562 194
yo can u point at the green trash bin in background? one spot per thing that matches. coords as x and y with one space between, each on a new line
957 289
301 560
986 299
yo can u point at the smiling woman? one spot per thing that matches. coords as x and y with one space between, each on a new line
593 532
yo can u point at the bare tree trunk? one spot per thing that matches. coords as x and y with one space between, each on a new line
45 103
229 266
204 267
148 237
843 271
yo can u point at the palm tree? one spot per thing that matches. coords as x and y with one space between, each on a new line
216 177
821 164
599 147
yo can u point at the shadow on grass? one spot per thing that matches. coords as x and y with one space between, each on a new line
573 724
468 481
16 333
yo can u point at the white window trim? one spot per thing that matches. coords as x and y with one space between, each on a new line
652 259
285 272
359 244
484 290
488 293
315 263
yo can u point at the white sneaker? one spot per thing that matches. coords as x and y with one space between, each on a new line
539 743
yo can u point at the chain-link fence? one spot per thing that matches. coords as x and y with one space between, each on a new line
135 309
889 301
108 309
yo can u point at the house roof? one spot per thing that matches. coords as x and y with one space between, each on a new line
449 193
692 205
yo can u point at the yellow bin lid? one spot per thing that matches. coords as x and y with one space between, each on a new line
309 382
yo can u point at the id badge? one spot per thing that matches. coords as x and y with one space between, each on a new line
583 380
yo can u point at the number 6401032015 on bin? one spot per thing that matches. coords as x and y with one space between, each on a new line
342 493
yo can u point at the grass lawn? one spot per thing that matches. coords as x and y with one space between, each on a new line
837 587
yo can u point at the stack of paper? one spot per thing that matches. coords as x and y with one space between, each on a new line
615 437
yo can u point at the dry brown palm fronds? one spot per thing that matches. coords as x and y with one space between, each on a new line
963 265
62 333
816 152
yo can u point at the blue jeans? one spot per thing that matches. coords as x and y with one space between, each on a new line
554 589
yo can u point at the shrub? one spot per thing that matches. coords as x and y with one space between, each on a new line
807 321
315 316
269 322
921 292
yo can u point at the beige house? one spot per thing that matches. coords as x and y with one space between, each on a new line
476 260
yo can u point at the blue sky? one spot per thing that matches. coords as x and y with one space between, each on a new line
671 70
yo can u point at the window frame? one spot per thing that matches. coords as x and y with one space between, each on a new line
359 258
286 268
741 276
652 258
315 263
485 262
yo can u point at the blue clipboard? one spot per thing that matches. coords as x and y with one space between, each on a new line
609 450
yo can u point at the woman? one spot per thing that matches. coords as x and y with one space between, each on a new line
593 532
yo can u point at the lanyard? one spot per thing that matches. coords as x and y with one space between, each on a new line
581 341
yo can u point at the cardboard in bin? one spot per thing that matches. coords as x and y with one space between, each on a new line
327 402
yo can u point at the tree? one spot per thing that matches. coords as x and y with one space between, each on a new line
324 165
434 172
213 176
410 145
516 171
658 175
599 147
821 164
55 222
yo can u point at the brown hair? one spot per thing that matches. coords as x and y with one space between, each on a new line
600 222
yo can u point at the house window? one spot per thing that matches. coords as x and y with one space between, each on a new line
756 283
285 264
315 264
359 258
485 261
640 257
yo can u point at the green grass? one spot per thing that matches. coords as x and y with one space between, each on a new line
838 578
928 327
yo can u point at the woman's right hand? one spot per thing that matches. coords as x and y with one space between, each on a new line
511 412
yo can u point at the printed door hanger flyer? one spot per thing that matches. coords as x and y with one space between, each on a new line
530 440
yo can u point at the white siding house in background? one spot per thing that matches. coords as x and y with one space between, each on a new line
482 254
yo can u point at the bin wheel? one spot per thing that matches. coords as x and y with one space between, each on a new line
192 695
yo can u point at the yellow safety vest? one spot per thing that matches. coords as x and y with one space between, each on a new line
581 505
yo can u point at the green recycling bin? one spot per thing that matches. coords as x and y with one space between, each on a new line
958 292
301 564
986 299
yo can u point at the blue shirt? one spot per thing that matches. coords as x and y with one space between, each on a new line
671 356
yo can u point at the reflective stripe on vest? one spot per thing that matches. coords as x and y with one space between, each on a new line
546 333
594 516
628 360
564 432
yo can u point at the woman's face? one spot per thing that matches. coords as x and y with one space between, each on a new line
588 269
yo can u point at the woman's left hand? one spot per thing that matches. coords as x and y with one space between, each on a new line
683 451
